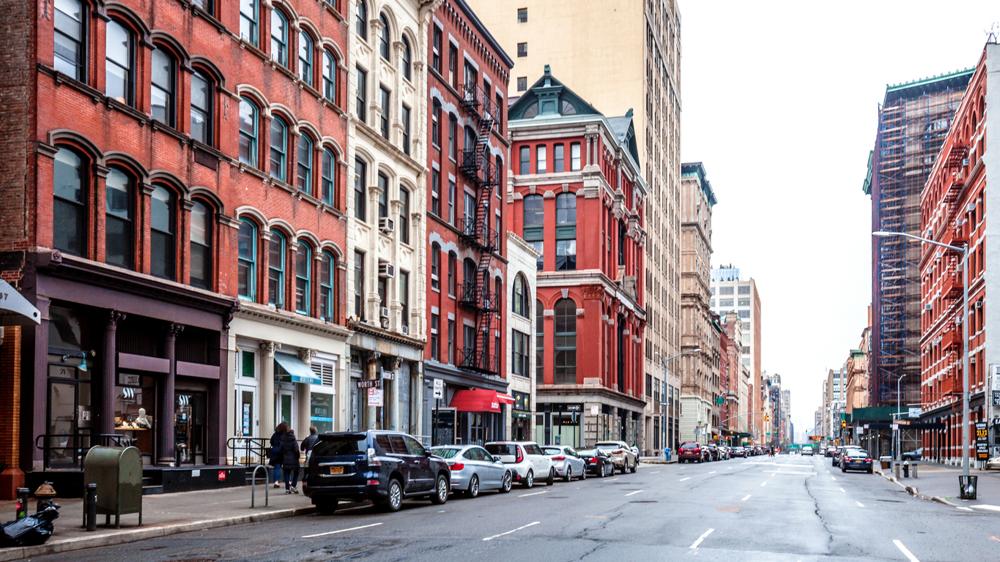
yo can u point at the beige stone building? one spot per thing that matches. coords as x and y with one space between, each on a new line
699 333
618 55
857 373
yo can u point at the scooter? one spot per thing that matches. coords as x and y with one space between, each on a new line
32 530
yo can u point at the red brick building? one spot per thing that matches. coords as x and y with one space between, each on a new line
467 153
579 198
954 210
176 163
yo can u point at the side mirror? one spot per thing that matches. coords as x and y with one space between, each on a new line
427 453
496 458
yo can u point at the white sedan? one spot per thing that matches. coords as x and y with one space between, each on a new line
566 462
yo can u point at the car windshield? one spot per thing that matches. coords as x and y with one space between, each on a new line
445 452
502 449
552 450
608 445
587 452
689 446
331 445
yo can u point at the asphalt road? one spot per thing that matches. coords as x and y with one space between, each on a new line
787 508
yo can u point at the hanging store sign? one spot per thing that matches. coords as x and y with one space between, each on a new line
375 397
982 441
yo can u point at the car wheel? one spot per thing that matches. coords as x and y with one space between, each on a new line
441 490
394 499
529 480
871 470
473 490
552 477
583 473
506 483
843 469
569 474
635 466
326 507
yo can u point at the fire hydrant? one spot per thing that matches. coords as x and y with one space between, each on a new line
906 469
44 493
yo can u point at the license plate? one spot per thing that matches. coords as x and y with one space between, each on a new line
336 470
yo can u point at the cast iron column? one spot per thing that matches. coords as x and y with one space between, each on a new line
165 408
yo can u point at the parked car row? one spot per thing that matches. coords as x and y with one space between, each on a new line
696 452
386 467
851 457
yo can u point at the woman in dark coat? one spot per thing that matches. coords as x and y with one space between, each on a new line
290 461
274 457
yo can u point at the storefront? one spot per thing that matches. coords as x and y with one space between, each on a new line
385 380
472 408
580 419
520 425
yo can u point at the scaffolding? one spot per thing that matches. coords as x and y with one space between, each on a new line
913 122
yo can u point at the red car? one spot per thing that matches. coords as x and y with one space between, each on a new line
692 452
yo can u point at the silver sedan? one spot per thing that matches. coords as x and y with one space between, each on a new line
474 469
566 462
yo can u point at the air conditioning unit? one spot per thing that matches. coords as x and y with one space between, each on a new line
384 322
384 312
404 329
928 307
386 225
386 270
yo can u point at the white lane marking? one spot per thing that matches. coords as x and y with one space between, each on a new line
712 471
842 491
964 508
533 494
532 524
632 493
834 478
685 478
440 511
703 536
859 504
764 483
655 472
340 531
745 498
906 552
987 507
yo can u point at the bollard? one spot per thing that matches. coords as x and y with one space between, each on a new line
915 465
90 507
906 469
895 469
21 505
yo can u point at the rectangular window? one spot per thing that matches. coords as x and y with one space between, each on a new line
359 284
404 300
386 112
540 159
436 192
453 65
524 165
404 216
360 191
726 290
248 364
383 196
468 212
303 280
468 343
70 33
451 201
405 118
360 107
519 353
119 54
451 341
522 15
522 83
574 156
435 338
452 134
558 158
436 46
522 49
248 21
201 109
744 290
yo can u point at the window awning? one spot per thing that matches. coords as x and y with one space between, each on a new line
297 370
480 400
15 309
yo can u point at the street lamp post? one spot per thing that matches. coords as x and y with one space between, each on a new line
964 250
664 361
898 443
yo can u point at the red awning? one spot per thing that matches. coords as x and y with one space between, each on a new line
479 400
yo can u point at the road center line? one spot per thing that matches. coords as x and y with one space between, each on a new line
655 472
764 483
712 471
906 552
963 508
685 478
842 491
859 504
703 536
532 524
533 494
632 493
745 498
340 531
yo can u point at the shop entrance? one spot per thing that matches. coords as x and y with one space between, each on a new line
285 406
189 426
68 425
246 411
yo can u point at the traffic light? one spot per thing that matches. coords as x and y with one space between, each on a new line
843 424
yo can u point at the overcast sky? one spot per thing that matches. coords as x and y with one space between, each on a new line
779 100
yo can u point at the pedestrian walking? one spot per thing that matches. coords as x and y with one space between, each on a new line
290 461
307 446
274 454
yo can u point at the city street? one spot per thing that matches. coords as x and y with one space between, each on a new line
786 508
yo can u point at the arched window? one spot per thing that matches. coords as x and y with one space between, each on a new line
330 76
566 231
383 37
539 343
162 87
304 166
361 21
119 63
452 272
201 245
119 221
249 120
70 36
250 21
436 266
306 59
277 249
279 149
202 105
564 346
163 228
407 61
534 226
69 212
521 296
327 288
303 279
329 176
279 38
247 263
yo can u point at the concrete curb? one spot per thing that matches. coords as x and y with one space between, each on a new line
915 492
142 533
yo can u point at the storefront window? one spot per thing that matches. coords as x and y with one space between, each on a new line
135 412
321 411
189 427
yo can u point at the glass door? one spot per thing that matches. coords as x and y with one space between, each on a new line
62 427
246 411
285 407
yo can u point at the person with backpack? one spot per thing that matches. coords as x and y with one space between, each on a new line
290 461
307 446
274 454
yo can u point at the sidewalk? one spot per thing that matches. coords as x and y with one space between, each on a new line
163 514
940 483
657 460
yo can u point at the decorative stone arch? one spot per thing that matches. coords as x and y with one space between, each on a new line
255 95
164 177
161 38
115 10
209 196
255 216
126 161
205 65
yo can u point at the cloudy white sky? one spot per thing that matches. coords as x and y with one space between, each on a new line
779 101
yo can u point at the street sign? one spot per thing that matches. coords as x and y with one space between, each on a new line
375 397
996 398
982 441
438 388
914 412
374 383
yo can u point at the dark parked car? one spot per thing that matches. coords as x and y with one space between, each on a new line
856 459
692 452
597 462
382 466
915 455
841 451
715 454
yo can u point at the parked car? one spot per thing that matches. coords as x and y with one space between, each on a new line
526 461
740 451
713 452
840 453
914 455
621 454
382 466
636 451
829 451
598 462
856 459
474 469
993 463
692 452
807 451
567 463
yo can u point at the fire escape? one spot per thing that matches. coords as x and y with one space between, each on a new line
477 293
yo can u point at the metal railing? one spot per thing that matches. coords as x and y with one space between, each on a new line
249 451
67 450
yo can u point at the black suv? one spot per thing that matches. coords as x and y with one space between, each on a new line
381 466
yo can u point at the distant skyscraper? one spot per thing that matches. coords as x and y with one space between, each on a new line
731 293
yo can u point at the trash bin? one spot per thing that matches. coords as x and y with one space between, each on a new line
967 486
117 471
885 461
666 454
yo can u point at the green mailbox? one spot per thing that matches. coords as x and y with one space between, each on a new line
117 471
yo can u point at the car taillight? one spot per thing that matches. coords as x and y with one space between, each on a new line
559 458
457 466
520 457
593 461
372 459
